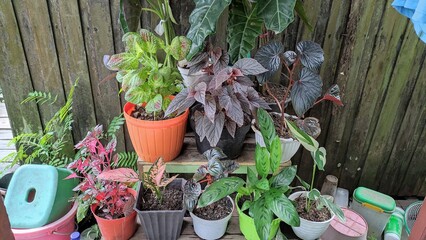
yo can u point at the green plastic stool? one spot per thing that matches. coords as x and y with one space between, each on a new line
38 195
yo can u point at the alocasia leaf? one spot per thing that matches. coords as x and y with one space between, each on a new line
243 28
203 22
249 66
300 10
311 54
278 14
305 91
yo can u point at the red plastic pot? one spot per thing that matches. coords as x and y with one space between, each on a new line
116 229
155 139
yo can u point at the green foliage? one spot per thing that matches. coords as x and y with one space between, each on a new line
126 160
40 97
115 125
46 147
266 188
142 76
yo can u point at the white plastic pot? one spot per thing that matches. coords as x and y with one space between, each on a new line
309 230
211 229
188 79
289 146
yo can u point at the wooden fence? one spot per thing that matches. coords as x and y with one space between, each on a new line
378 139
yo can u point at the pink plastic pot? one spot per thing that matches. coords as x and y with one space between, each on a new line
57 230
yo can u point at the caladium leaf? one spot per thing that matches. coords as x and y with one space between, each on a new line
290 57
203 22
269 56
249 66
219 189
333 94
180 103
231 127
220 59
200 92
243 29
121 61
155 104
179 47
311 54
214 130
277 14
305 91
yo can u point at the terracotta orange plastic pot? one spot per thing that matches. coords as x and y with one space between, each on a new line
116 229
154 139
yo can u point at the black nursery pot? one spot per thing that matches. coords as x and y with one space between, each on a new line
161 225
232 147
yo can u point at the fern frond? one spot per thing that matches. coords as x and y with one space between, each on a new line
126 160
40 97
115 124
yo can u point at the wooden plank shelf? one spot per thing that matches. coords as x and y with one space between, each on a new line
190 159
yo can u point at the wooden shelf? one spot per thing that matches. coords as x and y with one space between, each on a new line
190 159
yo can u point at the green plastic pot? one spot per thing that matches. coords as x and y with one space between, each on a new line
247 226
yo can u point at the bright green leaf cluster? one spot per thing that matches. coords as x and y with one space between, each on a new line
143 77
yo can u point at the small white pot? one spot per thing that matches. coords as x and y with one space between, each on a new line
309 230
188 79
211 229
289 146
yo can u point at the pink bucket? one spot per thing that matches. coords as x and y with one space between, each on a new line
57 230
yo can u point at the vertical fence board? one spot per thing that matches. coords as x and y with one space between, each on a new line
381 68
362 27
40 50
16 80
73 64
392 113
407 139
99 41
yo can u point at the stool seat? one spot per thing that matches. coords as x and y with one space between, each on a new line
38 195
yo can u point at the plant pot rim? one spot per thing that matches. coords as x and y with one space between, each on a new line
214 221
306 192
256 130
128 107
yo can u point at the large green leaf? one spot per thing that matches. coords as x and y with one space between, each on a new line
320 158
300 10
307 141
263 217
284 177
203 22
261 157
282 207
266 126
251 177
278 14
333 208
263 184
276 153
243 29
219 189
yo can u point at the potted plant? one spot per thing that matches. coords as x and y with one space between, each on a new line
149 84
210 222
302 92
261 200
315 211
160 203
225 100
110 200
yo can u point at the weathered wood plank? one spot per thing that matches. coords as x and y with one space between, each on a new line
6 134
3 111
16 80
377 80
40 50
4 123
4 145
415 176
363 23
407 139
99 41
73 63
393 109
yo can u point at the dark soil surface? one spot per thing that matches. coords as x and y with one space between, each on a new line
141 114
314 214
172 200
277 90
215 211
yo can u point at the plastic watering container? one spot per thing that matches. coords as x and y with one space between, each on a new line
375 207
354 228
393 230
58 230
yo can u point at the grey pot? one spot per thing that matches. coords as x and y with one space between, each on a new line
161 225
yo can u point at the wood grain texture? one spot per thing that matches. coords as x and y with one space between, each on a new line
96 22
15 77
73 63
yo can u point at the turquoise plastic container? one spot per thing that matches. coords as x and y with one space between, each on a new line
38 195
